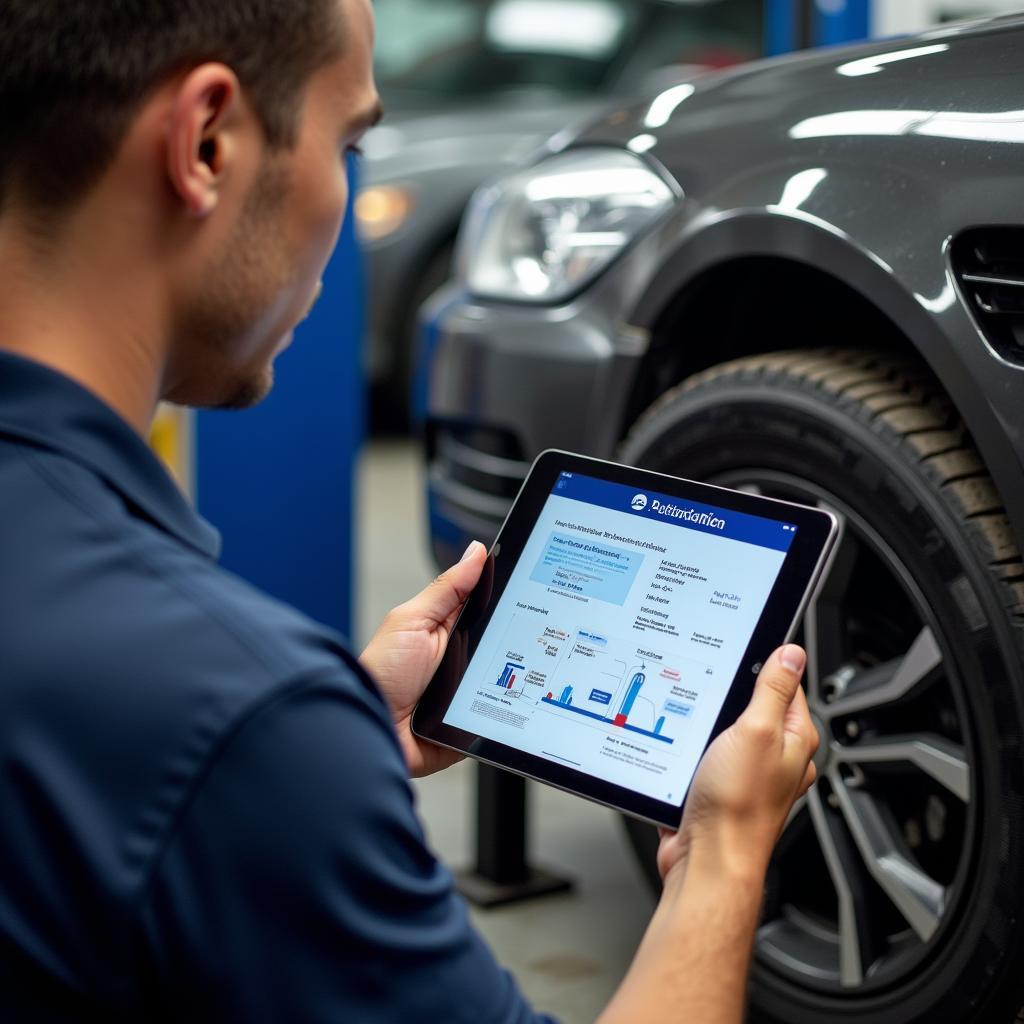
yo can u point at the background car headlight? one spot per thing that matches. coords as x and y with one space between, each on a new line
546 231
381 210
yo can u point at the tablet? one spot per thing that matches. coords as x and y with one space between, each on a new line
618 627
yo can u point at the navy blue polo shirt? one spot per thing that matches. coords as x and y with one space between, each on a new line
204 811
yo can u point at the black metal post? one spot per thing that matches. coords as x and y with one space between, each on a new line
502 873
807 30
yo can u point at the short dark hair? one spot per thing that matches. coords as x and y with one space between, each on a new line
74 72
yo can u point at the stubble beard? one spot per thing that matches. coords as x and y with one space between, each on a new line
242 284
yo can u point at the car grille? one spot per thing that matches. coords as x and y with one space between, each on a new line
989 267
476 471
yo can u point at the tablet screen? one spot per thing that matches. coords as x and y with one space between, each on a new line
612 648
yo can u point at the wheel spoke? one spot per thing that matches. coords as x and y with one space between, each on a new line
892 681
851 960
917 896
942 759
872 664
797 825
824 622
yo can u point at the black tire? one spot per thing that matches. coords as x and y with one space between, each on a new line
929 561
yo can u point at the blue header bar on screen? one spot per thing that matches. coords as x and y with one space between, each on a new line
663 508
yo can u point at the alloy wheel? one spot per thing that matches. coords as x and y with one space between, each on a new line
867 874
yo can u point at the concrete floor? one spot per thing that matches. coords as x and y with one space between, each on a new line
568 952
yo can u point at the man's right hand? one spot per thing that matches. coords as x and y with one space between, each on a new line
693 962
751 775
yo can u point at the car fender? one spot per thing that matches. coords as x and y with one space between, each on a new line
986 390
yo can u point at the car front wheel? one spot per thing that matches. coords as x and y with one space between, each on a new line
896 893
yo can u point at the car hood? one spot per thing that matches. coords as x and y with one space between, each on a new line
893 84
487 137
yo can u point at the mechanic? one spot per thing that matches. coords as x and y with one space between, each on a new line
205 800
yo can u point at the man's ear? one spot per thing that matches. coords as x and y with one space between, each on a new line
200 143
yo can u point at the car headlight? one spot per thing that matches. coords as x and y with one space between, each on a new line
381 210
546 231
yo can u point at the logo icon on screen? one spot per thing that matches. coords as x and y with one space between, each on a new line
639 503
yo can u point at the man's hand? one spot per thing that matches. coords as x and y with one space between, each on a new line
695 955
405 652
751 775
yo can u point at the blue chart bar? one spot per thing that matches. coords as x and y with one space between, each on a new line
566 697
508 675
634 688
660 725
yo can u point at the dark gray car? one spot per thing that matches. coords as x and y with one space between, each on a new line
804 278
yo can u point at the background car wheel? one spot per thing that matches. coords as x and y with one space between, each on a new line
896 893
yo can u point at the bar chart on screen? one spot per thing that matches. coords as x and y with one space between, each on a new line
526 657
612 684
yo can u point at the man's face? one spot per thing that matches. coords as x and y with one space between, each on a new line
266 278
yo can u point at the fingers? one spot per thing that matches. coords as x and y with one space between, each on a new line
798 721
778 683
442 598
798 707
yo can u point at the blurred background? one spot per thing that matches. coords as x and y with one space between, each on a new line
474 87
319 492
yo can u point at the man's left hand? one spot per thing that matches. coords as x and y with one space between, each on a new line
405 652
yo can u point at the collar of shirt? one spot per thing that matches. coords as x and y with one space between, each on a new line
45 408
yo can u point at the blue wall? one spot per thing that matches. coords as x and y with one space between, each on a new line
841 21
278 480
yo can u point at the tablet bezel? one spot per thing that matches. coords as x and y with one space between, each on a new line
814 538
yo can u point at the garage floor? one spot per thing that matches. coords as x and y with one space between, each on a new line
568 952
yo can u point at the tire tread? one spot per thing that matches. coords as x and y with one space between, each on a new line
901 399
903 403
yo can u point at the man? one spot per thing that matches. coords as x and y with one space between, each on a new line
204 798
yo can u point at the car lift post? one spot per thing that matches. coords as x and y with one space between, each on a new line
798 24
501 873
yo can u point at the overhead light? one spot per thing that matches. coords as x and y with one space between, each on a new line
968 125
872 65
860 122
664 105
642 143
585 28
799 188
